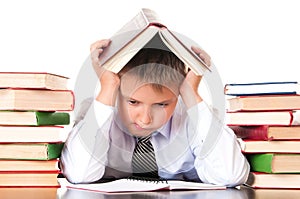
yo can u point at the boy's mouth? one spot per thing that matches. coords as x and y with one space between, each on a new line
139 127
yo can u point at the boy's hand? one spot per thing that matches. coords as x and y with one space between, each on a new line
189 87
109 81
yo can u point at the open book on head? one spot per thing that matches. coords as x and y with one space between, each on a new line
136 185
146 30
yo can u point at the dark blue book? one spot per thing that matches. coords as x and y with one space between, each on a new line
262 88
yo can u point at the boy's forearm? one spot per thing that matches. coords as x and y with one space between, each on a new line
110 83
108 95
189 89
78 163
190 98
84 155
225 164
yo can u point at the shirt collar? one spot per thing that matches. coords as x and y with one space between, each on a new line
164 130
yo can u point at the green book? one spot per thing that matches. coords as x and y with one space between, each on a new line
31 151
34 118
52 118
274 163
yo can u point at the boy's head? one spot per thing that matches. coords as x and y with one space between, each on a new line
149 89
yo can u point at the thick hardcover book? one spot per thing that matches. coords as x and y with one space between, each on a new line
33 80
29 192
138 32
280 118
37 100
262 88
19 179
280 146
264 103
29 165
34 118
274 162
25 134
30 151
273 181
135 185
266 132
272 193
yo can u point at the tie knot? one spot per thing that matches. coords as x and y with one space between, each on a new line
144 139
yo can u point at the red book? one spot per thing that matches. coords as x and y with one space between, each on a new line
29 192
36 99
282 118
280 146
266 132
273 181
33 80
264 103
10 165
29 179
32 134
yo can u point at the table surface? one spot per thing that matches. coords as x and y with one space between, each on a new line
230 193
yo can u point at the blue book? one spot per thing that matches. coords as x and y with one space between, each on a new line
262 88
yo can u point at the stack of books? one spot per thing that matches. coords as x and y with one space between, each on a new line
34 111
265 116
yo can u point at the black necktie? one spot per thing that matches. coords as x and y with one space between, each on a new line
143 159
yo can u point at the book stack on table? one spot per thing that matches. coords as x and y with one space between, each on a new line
265 116
34 113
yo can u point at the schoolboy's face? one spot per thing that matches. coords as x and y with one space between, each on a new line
143 109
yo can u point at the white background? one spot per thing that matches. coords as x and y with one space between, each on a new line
249 41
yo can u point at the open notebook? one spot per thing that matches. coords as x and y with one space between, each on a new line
135 185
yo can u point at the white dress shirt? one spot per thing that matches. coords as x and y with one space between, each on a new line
99 147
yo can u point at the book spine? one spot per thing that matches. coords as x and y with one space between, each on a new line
251 132
260 83
54 150
52 118
261 162
150 17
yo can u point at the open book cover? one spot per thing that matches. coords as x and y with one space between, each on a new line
134 185
139 32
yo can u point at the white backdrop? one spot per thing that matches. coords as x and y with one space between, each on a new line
255 40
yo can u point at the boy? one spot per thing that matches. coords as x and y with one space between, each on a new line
156 98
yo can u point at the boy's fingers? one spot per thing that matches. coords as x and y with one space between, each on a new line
95 56
96 49
99 44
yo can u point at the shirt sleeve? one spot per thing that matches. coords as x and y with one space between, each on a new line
83 157
218 156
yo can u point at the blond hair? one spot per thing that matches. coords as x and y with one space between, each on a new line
157 67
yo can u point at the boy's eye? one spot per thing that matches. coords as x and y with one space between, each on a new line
132 102
162 105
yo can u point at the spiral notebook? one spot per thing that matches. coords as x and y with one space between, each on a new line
139 185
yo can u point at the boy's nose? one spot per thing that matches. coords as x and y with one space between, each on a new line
145 116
